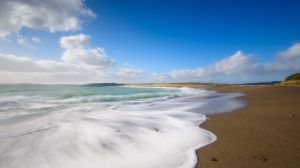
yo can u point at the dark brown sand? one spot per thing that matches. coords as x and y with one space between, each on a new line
264 134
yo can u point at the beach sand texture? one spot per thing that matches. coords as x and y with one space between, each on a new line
264 134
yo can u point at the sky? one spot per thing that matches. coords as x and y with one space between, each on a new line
136 41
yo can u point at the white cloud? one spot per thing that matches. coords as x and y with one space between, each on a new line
240 68
236 63
75 41
292 52
27 42
77 52
83 65
53 15
80 64
15 69
12 63
36 39
130 72
89 58
22 41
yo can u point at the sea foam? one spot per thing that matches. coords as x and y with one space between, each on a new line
140 130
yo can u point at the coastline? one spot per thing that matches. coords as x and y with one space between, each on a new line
265 133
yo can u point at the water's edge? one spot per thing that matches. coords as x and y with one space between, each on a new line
233 97
73 126
243 105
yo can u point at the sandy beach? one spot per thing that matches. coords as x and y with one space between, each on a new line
264 134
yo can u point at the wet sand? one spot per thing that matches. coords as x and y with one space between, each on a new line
264 134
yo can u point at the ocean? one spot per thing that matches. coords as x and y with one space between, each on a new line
73 126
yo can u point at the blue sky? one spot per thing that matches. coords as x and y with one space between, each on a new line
193 33
170 39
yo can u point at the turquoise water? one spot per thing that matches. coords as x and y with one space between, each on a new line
72 126
68 91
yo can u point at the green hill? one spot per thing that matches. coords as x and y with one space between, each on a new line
293 79
295 76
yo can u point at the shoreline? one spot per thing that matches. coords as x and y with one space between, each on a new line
264 133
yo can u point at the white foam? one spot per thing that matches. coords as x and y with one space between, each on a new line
157 133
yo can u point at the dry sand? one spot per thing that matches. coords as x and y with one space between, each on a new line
264 134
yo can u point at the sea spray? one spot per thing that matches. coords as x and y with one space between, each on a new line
68 126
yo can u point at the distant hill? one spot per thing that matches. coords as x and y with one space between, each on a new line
295 76
103 84
293 79
260 83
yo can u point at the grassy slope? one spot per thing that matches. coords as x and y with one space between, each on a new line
290 82
293 79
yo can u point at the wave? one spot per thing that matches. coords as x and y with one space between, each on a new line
149 129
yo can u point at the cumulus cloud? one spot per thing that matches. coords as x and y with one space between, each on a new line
240 67
36 39
54 15
16 69
12 63
237 63
292 52
77 52
80 64
130 72
75 41
89 58
22 41
27 42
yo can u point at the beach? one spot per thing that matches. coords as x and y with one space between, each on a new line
249 126
265 133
